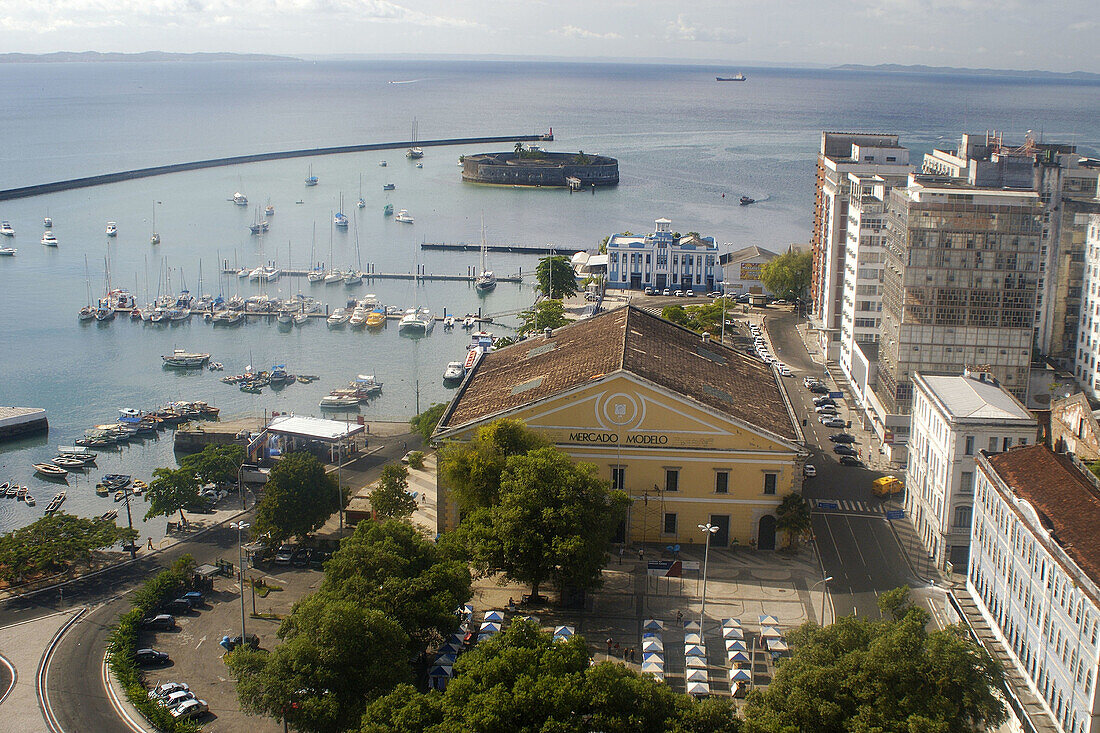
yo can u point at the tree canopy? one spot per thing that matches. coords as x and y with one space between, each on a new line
55 542
523 681
544 314
472 470
298 497
391 498
556 269
788 275
699 318
553 520
216 464
793 517
391 566
887 675
425 422
171 490
335 656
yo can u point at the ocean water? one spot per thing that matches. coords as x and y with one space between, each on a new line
682 141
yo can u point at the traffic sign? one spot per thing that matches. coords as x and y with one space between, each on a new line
827 505
895 514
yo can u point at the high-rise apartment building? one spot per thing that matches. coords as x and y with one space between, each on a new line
959 285
1087 361
840 154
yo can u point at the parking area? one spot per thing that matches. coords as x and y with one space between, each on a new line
195 648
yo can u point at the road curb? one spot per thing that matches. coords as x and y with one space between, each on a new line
14 677
42 675
116 701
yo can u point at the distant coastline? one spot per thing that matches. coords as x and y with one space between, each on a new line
923 69
59 57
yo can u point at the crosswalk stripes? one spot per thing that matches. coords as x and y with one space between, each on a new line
850 506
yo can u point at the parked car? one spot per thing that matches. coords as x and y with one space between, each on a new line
150 657
284 555
785 370
819 389
318 557
232 642
808 382
842 449
162 621
190 709
819 401
808 470
826 410
689 293
679 293
850 461
714 294
832 421
177 606
842 438
301 557
195 598
164 689
648 291
177 698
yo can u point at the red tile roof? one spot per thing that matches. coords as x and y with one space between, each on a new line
632 340
1067 501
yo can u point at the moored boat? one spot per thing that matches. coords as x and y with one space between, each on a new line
50 470
181 359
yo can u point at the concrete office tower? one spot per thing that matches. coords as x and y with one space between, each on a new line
841 153
1034 575
953 419
1087 367
861 301
959 285
1066 184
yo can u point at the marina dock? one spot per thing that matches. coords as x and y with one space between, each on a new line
371 275
19 421
506 248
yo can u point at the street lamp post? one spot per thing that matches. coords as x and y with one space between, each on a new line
240 489
823 581
240 527
708 529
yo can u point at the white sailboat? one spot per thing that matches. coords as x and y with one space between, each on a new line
311 180
361 203
155 239
415 152
486 280
87 313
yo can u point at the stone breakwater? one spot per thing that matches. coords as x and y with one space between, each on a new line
545 169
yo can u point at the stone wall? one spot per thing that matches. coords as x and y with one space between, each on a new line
550 171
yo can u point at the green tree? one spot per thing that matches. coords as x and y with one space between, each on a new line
556 270
55 542
335 657
393 567
472 471
895 603
298 497
518 148
425 422
522 680
554 521
788 275
544 314
792 517
171 490
217 464
391 498
676 314
887 675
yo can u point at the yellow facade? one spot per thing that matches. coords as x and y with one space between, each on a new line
682 463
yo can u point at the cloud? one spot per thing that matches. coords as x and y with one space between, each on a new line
572 31
68 14
1084 25
681 30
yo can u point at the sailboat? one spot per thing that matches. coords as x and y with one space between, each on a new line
316 274
355 277
486 281
155 239
361 203
260 225
311 180
87 313
415 152
106 311
340 219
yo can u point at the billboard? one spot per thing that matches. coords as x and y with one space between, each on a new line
750 270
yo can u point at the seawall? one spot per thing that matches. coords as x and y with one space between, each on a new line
43 188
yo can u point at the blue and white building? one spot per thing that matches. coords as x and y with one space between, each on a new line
663 260
1034 575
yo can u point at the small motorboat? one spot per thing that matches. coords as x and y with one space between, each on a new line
454 372
109 516
29 500
68 463
49 239
469 322
215 366
6 229
21 495
382 163
269 210
102 490
50 470
8 251
112 229
55 503
339 401
12 491
449 322
120 495
745 201
4 486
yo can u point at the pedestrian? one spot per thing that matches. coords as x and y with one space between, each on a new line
640 553
403 445
620 556
679 616
609 642
150 541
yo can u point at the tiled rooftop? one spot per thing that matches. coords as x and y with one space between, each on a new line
1066 500
632 340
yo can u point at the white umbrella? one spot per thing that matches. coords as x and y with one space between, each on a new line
695 662
777 645
694 650
658 656
693 638
490 627
736 645
698 688
768 620
651 635
653 645
733 632
653 667
697 675
494 616
563 631
770 632
738 656
691 626
652 624
740 675
729 623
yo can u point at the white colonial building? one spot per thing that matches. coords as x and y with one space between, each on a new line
663 260
953 419
1034 573
1087 369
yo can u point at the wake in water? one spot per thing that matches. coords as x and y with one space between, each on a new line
407 81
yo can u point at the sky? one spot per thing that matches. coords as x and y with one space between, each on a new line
1058 35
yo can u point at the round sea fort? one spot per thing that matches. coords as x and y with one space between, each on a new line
540 168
